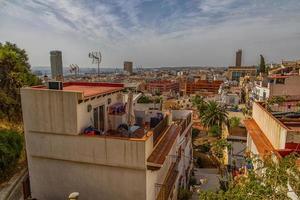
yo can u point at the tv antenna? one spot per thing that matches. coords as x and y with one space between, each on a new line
74 68
96 59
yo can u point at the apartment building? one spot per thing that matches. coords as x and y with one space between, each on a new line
277 85
272 132
163 86
234 73
193 87
79 138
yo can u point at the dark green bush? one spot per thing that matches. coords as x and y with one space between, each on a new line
204 148
11 145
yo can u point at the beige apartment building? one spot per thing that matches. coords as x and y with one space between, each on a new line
79 139
272 132
277 85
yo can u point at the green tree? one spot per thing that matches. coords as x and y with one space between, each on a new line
14 74
11 145
200 104
214 131
214 114
262 65
271 180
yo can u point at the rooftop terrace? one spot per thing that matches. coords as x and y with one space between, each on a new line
89 89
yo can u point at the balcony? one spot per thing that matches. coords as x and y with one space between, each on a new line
167 187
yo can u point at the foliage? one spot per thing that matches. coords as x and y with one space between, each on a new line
14 74
192 181
262 65
147 99
204 148
195 133
11 145
276 100
184 194
270 181
234 122
199 103
144 99
214 114
218 147
214 131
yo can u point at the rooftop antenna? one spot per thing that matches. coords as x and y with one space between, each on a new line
74 68
96 59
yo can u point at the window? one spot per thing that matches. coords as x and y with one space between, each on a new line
280 81
99 118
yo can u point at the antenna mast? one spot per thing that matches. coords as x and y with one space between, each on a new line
96 59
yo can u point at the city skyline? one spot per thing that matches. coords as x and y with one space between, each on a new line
153 33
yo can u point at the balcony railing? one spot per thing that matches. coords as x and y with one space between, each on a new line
167 187
159 129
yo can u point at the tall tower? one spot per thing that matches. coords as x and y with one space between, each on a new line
56 65
128 67
238 58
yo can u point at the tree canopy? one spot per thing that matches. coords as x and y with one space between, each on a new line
262 65
271 180
14 73
214 114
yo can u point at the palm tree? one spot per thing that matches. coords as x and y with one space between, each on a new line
200 103
214 114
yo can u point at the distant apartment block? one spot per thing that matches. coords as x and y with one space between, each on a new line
80 139
235 73
56 65
193 87
163 86
128 67
238 58
277 85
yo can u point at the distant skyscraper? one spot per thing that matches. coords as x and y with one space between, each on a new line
56 65
238 58
128 67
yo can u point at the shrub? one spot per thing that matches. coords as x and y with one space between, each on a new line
195 133
234 122
11 145
214 131
184 194
192 181
204 148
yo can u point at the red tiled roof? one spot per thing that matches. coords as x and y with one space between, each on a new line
158 156
261 142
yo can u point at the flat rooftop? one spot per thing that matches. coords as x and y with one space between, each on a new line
89 89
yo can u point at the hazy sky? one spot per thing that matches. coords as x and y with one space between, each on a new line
153 32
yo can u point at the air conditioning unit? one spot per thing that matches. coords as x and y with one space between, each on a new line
55 85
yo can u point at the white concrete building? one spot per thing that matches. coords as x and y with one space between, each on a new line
148 162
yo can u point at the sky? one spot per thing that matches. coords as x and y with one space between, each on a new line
153 33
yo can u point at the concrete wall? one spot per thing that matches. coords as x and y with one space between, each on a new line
105 166
50 110
56 179
290 87
272 128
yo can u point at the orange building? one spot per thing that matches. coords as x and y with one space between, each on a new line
192 87
163 86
